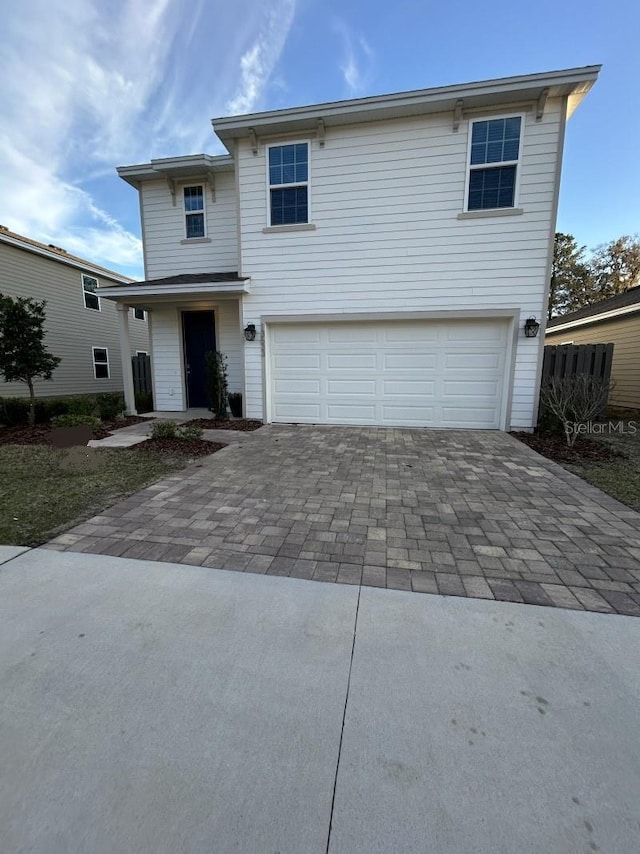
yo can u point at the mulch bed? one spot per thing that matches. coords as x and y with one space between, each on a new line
41 433
244 424
184 447
555 447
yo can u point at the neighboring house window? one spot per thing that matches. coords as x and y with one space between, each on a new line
100 363
194 211
89 288
493 163
289 183
138 313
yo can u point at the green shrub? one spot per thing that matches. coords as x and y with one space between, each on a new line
82 405
110 405
164 430
48 408
14 411
144 401
73 420
189 432
217 387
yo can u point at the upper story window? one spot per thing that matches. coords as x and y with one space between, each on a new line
493 163
289 183
138 313
89 288
194 211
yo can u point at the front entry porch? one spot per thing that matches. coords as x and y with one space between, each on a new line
188 317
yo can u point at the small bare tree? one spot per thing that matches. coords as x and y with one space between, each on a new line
575 401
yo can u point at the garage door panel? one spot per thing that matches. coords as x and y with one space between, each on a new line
471 388
396 373
409 333
471 361
355 413
410 361
352 386
484 331
410 415
352 361
350 334
285 360
392 387
297 410
284 386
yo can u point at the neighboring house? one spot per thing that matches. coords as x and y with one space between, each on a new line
369 262
613 321
81 327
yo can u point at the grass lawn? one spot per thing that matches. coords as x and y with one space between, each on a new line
44 490
619 477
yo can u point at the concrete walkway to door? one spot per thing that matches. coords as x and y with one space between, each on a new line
461 513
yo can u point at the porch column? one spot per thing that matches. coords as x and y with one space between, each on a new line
125 357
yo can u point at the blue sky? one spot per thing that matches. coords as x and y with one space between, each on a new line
92 84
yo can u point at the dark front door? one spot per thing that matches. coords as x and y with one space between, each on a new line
198 330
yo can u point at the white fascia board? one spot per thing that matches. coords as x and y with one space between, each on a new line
502 90
208 288
174 166
594 318
71 261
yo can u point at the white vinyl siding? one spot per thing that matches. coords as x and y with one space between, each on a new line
25 274
164 229
386 199
412 373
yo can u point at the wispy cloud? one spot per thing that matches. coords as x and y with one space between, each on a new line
89 85
257 63
357 60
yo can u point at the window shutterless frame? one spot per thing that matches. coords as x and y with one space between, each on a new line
190 213
101 363
270 186
494 165
138 313
90 297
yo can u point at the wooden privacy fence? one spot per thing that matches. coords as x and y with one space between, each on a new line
141 365
567 360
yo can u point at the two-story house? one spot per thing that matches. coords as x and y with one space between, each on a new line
372 261
80 326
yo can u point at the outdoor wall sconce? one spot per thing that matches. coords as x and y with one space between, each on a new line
250 332
531 327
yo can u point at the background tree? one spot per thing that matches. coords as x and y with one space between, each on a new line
23 356
571 281
615 267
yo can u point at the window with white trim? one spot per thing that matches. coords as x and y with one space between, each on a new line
100 363
194 211
288 183
138 313
89 288
494 154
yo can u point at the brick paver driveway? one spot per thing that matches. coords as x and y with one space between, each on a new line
461 513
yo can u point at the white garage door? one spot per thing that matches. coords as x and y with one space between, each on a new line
393 373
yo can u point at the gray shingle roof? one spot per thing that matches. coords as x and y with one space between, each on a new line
628 298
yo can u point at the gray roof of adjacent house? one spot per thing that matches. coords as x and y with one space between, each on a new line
626 300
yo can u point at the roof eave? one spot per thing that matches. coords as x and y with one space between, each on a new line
206 289
174 167
574 82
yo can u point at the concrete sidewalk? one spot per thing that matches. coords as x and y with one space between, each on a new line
154 707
